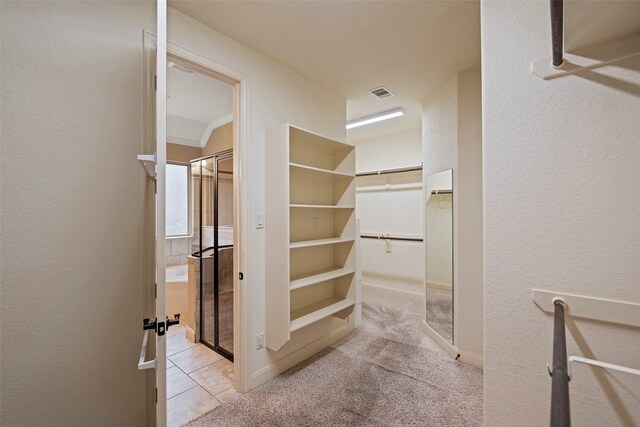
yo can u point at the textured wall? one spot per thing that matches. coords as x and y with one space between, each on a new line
469 207
562 209
221 139
72 212
276 95
452 139
182 153
393 211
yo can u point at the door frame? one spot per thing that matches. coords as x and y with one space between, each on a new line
240 84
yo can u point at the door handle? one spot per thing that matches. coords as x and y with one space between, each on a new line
142 363
159 328
174 321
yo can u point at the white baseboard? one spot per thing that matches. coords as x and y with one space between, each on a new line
411 294
440 285
446 345
466 357
472 359
264 374
190 334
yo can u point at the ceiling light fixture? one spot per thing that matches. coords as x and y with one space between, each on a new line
180 68
385 115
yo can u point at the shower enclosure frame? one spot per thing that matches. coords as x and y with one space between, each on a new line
222 155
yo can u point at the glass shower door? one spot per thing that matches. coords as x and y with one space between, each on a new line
207 252
224 254
213 243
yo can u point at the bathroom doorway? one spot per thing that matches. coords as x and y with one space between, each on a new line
204 109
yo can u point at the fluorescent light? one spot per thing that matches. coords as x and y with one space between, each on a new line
180 68
385 115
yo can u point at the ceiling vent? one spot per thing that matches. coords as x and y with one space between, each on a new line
381 92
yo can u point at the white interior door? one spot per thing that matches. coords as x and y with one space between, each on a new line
154 161
161 162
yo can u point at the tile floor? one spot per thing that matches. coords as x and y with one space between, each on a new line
198 379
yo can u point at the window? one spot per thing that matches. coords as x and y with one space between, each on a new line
177 200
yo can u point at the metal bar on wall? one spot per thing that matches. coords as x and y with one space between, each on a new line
557 12
560 408
383 237
388 171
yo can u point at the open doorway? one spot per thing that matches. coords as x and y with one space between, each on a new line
201 229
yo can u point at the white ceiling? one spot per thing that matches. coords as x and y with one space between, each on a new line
410 47
197 97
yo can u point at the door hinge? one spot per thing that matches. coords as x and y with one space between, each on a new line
155 290
156 394
155 82
241 276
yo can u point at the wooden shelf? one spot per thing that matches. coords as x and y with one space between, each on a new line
317 311
303 280
310 138
311 261
319 171
319 242
321 206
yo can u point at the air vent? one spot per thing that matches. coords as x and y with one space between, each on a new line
381 92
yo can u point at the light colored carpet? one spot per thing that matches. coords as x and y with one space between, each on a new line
386 373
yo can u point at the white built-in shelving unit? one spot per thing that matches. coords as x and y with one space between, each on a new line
310 229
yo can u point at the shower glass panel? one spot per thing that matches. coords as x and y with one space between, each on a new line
213 237
439 253
224 253
195 211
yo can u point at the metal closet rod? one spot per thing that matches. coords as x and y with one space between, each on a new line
388 171
557 21
383 237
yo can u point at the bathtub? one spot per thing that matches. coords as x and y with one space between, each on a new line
177 292
178 273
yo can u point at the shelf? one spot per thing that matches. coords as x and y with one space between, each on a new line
321 206
319 171
311 262
317 311
303 280
319 242
305 137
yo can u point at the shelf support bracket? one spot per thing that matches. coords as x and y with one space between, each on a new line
588 58
145 160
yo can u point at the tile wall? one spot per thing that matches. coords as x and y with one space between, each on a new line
177 250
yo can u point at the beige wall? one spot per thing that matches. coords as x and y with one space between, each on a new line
391 211
72 213
452 139
562 204
182 153
221 139
469 207
277 95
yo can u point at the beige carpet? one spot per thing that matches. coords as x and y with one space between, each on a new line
386 373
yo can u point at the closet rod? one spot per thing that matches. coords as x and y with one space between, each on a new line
383 237
388 171
557 20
